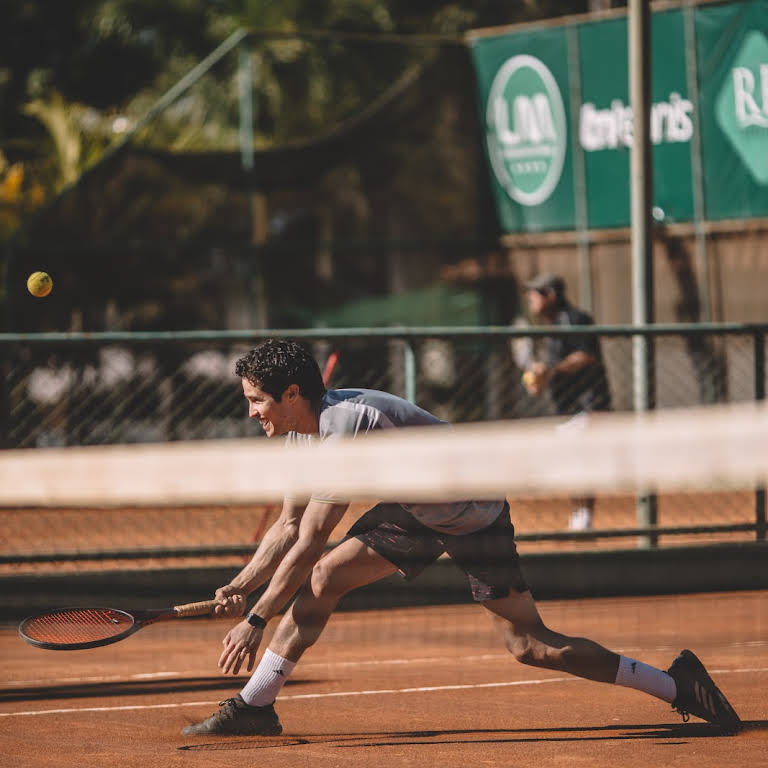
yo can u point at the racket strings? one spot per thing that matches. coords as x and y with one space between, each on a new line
77 626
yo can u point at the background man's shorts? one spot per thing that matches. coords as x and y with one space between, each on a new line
488 556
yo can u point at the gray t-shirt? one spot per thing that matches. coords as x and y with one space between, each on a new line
355 412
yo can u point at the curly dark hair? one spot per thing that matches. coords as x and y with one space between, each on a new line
276 364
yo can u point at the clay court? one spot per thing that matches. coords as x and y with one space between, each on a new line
402 687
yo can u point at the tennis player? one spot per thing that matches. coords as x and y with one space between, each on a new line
285 392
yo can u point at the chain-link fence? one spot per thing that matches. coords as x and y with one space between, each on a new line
99 389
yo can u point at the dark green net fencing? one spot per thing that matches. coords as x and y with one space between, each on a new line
99 389
106 389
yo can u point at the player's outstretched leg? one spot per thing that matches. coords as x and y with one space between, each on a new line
686 684
698 695
531 642
236 718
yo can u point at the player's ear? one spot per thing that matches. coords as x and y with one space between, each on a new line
291 393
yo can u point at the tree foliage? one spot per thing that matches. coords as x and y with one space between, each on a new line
74 76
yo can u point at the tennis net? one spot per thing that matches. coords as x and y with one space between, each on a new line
709 447
209 503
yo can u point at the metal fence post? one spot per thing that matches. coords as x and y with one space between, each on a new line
646 502
579 179
409 369
245 101
759 346
641 200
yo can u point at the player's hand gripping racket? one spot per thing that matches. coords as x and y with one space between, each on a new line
72 629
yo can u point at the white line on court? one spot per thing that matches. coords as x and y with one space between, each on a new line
376 692
335 664
312 665
95 679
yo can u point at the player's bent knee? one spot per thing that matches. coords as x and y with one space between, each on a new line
324 583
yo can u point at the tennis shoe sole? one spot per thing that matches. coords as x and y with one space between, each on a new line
698 695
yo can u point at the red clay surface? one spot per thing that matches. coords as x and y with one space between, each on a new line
34 530
410 687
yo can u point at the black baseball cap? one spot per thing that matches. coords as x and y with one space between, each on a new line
546 281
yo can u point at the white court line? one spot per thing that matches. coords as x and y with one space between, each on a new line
739 670
95 679
313 665
339 664
376 692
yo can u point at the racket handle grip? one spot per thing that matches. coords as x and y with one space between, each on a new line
195 609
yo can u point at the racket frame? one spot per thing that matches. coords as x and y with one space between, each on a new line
138 619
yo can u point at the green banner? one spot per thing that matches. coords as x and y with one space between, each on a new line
526 120
558 120
605 121
732 47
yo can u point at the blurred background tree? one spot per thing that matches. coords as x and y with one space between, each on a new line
74 76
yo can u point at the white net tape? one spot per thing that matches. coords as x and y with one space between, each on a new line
714 447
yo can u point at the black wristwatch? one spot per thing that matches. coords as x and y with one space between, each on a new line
256 621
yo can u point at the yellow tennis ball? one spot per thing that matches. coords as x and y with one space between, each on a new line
39 284
529 379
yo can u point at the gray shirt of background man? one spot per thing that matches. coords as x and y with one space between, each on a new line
584 391
354 412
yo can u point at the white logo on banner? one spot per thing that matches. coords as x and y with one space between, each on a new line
526 135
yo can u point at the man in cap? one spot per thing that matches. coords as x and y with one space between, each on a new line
571 371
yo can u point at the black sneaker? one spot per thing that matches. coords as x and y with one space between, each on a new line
236 718
698 695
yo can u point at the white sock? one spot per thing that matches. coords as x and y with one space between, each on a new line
267 679
635 674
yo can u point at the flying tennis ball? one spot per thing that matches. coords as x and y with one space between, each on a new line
532 382
39 284
529 379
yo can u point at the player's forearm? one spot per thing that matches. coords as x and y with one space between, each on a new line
317 524
574 363
276 543
288 577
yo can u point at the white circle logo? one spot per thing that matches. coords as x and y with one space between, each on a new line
526 130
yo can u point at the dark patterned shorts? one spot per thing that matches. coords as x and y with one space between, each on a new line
488 556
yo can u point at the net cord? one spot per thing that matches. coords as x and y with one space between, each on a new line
711 447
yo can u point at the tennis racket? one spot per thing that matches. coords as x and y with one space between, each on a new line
73 629
330 364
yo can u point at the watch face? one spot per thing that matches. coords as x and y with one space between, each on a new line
255 621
